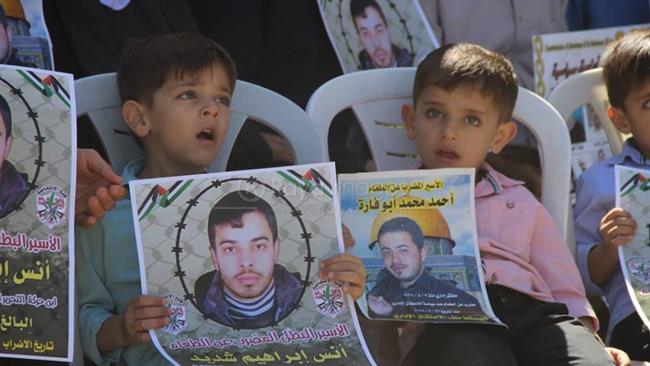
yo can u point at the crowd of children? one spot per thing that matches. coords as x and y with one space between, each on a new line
463 99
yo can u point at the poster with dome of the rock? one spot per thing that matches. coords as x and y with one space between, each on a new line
415 232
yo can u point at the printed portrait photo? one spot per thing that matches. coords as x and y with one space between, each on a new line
248 288
374 34
13 183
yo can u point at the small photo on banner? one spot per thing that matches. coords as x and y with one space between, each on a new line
24 39
633 195
37 171
415 232
377 34
236 257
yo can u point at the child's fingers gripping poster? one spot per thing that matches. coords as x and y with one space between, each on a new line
37 151
236 257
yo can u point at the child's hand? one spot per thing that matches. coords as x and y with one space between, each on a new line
143 313
617 228
348 269
620 357
348 240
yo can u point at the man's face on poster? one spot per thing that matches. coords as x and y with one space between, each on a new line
245 256
5 143
375 37
5 42
402 257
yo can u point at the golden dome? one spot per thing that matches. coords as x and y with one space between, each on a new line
430 220
13 9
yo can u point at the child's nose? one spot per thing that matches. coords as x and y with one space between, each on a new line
211 109
449 132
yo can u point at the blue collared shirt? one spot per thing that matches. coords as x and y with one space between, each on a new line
595 196
108 276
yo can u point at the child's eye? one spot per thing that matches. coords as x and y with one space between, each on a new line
473 120
433 113
646 104
187 95
224 100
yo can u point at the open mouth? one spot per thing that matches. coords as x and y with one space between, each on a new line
206 135
447 154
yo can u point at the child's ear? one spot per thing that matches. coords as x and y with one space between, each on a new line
619 119
506 131
408 117
135 116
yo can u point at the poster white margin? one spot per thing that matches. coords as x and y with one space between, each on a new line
72 304
621 255
336 203
437 172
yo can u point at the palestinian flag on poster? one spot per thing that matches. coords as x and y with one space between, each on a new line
309 181
160 196
638 180
48 86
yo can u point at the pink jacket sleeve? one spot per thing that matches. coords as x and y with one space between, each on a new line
551 257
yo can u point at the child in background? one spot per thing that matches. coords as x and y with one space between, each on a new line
600 226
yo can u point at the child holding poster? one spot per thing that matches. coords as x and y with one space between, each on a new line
600 226
176 91
464 96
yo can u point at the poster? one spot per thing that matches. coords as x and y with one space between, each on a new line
633 195
37 148
236 256
377 34
25 40
589 143
557 56
415 232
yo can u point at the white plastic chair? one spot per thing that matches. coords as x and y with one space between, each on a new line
377 96
98 98
587 88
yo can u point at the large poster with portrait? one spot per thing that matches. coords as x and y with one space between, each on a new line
37 148
633 195
415 232
236 256
373 34
24 39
